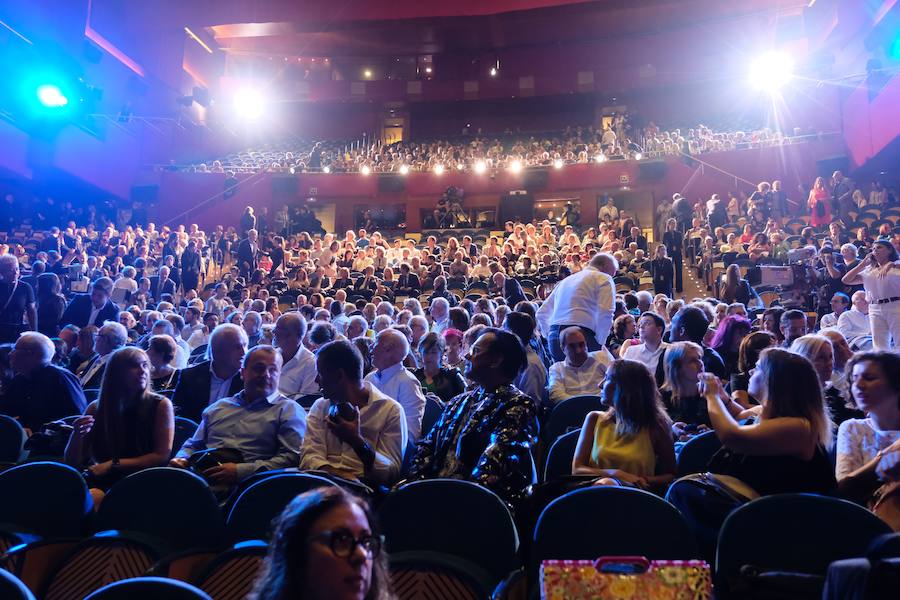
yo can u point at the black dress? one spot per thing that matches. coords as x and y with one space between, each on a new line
445 385
778 474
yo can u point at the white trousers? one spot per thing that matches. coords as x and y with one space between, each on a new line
884 321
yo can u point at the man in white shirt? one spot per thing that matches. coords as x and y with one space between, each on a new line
651 328
581 373
298 375
395 381
854 323
609 210
368 446
840 302
440 315
585 299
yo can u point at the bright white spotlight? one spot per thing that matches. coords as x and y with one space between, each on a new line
515 166
480 167
771 71
326 169
249 104
51 96
367 74
638 156
459 166
558 163
365 170
404 169
428 70
493 71
438 169
600 158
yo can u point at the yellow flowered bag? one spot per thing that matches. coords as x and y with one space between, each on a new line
625 578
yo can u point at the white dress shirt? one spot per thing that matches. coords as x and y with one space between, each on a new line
586 299
382 425
642 354
567 381
298 375
532 381
854 325
398 383
829 320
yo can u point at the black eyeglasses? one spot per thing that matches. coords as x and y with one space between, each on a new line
342 543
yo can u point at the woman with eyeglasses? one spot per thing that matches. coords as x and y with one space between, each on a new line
325 545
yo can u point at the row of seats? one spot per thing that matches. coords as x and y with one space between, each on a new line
167 522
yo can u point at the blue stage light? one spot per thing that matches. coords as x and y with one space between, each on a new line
51 96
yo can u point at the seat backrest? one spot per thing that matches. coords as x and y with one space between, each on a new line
96 562
610 521
768 532
251 516
12 439
173 505
559 458
433 411
231 575
149 588
11 588
451 517
695 454
184 430
46 498
569 413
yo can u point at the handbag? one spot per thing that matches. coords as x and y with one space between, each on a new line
625 577
50 440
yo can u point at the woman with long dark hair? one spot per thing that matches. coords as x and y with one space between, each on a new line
50 304
631 443
736 288
127 429
326 545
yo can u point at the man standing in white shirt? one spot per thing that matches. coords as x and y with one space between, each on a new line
368 446
395 381
651 327
586 300
581 373
298 375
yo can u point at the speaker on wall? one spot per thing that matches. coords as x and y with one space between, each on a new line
516 206
827 166
652 170
284 185
535 179
390 183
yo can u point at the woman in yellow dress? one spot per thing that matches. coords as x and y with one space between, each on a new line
630 444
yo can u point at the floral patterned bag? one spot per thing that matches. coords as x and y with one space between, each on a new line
625 578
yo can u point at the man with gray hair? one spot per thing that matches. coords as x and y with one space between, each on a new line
440 315
298 373
16 301
585 300
110 338
252 324
40 392
266 427
393 379
202 384
356 326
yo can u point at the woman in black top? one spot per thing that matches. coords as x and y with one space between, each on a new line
663 271
444 382
727 341
748 355
736 288
161 351
50 304
127 429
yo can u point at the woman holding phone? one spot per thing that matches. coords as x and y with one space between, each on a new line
880 275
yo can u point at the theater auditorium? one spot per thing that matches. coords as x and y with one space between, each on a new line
397 300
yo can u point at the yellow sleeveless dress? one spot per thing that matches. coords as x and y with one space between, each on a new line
632 454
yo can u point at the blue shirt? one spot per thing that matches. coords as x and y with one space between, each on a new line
268 432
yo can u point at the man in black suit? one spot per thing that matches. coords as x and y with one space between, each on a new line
408 283
166 287
52 241
190 267
208 381
92 309
110 338
247 252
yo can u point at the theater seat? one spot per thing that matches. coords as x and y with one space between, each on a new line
46 499
13 589
231 575
800 533
436 577
149 588
569 414
559 458
12 440
697 452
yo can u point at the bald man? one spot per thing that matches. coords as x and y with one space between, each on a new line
393 380
40 392
211 380
298 374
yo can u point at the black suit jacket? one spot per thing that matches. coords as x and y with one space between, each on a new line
247 254
411 283
48 394
168 287
79 311
192 392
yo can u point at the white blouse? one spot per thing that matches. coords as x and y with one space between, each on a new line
858 442
878 287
